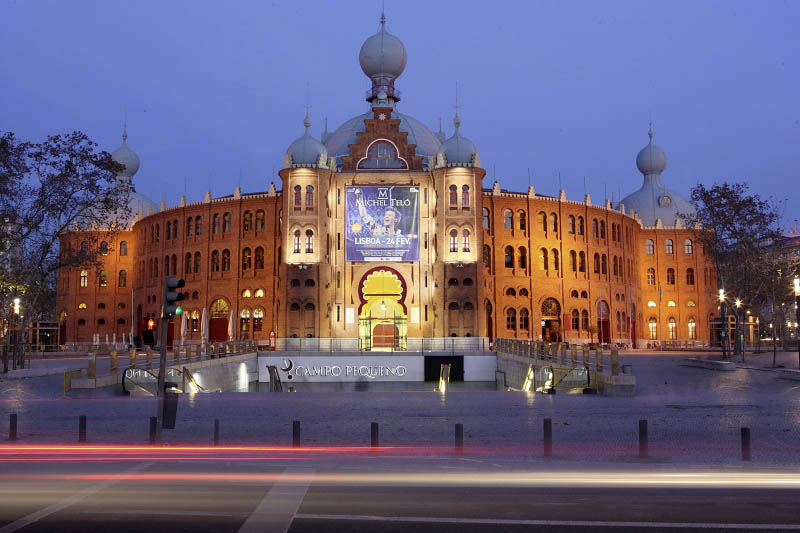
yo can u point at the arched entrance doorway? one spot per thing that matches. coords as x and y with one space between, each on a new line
603 323
551 320
382 318
218 323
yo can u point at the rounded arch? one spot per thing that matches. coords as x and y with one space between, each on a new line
550 307
220 307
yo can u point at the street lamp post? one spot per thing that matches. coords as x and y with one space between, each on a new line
797 314
723 335
738 342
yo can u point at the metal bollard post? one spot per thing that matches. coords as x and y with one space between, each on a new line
82 428
153 425
643 439
615 361
216 432
91 372
12 427
746 456
112 365
296 433
374 434
548 436
459 438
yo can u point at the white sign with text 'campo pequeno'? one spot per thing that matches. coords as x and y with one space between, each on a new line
331 368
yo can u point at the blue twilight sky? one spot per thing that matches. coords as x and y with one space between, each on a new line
215 91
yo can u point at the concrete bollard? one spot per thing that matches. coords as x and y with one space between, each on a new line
548 436
149 360
573 355
598 359
153 425
12 427
459 438
615 361
91 372
82 428
132 358
112 363
585 355
564 354
746 455
643 439
373 430
216 432
296 433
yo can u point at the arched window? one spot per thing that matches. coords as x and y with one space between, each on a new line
651 276
465 240
294 307
296 241
174 265
174 229
613 232
508 219
523 222
123 278
82 305
259 258
571 227
509 257
650 247
690 276
602 229
155 267
259 223
244 322
247 221
468 282
596 263
575 320
298 196
226 223
544 260
670 276
195 321
581 227
487 256
523 320
595 230
668 247
581 262
295 282
246 293
102 279
187 263
672 329
309 196
556 262
453 196
198 226
226 260
309 283
485 214
573 261
688 247
651 303
452 282
511 291
604 264
84 278
215 261
554 223
614 268
584 295
619 323
215 223
258 319
382 154
197 262
259 293
543 221
465 196
573 294
522 291
309 241
652 328
247 259
123 248
511 319
166 265
672 303
584 320
453 240
189 226
523 257
104 248
692 328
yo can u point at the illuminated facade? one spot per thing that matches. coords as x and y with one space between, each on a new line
383 232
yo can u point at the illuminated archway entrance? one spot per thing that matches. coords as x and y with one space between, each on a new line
382 318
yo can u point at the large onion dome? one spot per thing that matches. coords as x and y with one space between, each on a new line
458 150
307 151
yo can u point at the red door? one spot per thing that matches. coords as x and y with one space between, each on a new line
604 331
383 335
217 329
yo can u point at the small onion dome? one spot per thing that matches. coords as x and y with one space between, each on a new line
307 151
651 159
126 157
458 150
383 54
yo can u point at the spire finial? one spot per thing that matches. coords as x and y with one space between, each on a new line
457 119
383 15
307 120
125 126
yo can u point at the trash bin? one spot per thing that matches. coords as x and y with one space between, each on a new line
170 405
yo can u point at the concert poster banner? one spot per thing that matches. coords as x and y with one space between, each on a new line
382 223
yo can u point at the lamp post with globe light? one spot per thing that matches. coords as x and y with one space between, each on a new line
737 346
723 324
797 314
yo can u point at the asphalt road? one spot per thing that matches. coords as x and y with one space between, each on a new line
357 490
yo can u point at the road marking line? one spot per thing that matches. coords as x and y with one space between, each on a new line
565 523
151 512
68 501
279 505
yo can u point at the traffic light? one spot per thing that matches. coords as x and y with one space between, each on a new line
169 303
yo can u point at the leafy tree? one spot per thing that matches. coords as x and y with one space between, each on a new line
46 190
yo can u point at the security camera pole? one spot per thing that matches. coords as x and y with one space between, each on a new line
169 308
